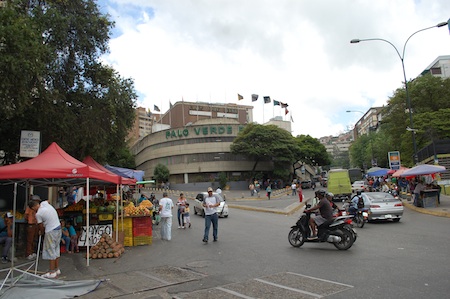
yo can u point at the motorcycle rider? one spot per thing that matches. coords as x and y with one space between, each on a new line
353 208
326 213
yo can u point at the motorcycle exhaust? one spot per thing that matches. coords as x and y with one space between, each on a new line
333 239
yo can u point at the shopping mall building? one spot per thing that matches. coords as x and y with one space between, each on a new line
193 140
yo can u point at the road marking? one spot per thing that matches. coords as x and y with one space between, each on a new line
324 280
234 293
288 288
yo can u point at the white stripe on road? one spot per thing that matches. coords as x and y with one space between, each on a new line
330 281
288 288
234 293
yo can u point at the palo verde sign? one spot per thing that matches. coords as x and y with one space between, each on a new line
204 131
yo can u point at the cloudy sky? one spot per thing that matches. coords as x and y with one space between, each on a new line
297 52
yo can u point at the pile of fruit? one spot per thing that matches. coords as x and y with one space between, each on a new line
146 203
106 248
78 207
132 210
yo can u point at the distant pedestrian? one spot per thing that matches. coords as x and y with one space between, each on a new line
251 187
181 204
165 210
269 190
294 189
187 217
210 203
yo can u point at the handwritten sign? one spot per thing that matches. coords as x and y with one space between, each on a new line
95 233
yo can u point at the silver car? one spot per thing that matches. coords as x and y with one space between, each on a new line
382 206
222 209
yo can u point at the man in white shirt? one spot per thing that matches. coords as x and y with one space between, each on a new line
48 220
210 203
165 211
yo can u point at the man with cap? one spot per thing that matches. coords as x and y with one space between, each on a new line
6 223
326 213
210 203
48 219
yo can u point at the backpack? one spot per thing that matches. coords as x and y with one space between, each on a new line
360 203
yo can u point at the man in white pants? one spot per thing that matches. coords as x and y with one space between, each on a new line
165 211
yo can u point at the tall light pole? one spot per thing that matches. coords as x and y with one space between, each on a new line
402 58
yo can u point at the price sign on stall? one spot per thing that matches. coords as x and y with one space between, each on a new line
95 233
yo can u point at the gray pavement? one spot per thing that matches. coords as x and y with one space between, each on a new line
126 282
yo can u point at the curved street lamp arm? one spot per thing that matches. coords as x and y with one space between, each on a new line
404 46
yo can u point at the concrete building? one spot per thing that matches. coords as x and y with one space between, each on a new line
440 67
194 143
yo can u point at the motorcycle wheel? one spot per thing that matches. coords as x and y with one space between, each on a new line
347 239
296 237
360 221
350 229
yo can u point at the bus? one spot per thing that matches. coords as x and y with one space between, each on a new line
355 174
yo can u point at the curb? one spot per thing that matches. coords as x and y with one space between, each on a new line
425 211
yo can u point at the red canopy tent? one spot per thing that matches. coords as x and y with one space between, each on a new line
122 180
54 167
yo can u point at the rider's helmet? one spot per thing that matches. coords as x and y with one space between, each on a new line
330 194
321 192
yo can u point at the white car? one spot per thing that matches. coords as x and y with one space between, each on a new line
222 209
360 186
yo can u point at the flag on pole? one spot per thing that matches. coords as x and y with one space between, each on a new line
149 113
275 103
170 104
266 100
254 97
286 111
292 120
284 105
156 108
240 97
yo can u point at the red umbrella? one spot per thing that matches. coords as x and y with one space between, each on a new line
400 171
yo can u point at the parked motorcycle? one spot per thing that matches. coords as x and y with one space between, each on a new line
335 231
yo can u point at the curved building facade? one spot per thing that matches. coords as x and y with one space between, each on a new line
199 150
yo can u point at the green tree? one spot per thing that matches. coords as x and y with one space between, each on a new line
161 173
52 49
266 143
311 151
430 101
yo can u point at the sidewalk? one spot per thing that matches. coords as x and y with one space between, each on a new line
442 210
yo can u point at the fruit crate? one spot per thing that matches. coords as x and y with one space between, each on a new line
127 227
142 226
128 241
105 216
142 240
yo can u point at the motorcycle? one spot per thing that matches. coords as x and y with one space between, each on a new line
334 231
348 222
361 216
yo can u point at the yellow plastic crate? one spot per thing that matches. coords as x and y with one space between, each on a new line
127 227
128 241
104 217
91 211
142 240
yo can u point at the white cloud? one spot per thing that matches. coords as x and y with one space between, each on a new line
297 52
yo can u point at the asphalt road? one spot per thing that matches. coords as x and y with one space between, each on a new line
253 259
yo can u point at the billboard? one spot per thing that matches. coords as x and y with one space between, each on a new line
394 160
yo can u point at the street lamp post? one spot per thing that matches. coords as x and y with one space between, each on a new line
402 58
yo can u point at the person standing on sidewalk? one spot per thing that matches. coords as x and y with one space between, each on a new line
48 220
165 211
269 190
181 203
210 203
294 189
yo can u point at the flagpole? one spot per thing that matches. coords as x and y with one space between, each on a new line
170 114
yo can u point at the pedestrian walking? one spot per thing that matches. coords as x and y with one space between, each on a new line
269 190
211 202
165 210
294 189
